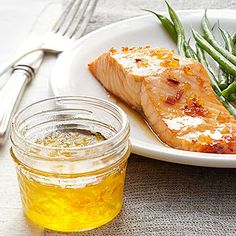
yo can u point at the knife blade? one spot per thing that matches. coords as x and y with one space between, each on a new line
25 70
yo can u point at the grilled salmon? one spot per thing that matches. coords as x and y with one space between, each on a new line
174 95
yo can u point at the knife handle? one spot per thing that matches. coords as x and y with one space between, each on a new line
11 94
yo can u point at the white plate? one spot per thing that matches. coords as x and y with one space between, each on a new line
70 76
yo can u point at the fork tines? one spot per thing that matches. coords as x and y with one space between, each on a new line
75 18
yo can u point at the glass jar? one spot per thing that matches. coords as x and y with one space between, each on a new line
71 188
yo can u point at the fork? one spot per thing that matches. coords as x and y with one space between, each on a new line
69 27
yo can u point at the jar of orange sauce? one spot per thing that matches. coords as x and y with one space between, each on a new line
71 155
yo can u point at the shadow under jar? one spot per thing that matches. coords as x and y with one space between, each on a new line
71 155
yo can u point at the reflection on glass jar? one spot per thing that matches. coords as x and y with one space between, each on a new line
71 155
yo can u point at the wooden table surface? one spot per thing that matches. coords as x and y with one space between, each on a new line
187 200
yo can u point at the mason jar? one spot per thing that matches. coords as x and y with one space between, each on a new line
67 187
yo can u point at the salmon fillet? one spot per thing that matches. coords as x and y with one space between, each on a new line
174 95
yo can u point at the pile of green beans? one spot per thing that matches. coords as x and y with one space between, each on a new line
223 84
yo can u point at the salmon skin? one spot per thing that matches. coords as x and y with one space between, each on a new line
174 95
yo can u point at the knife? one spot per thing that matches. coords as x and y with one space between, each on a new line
25 70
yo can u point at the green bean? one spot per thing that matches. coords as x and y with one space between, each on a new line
202 59
167 24
179 29
232 97
189 52
226 65
211 39
234 38
215 87
222 78
229 45
229 90
230 79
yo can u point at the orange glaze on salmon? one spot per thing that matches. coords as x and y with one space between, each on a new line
173 93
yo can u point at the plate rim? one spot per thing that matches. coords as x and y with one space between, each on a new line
177 156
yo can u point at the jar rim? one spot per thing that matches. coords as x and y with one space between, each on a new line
95 100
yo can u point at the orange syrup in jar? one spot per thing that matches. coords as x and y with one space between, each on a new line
73 202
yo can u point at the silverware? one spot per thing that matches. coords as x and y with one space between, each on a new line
69 27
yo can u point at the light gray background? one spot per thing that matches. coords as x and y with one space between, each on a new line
160 198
